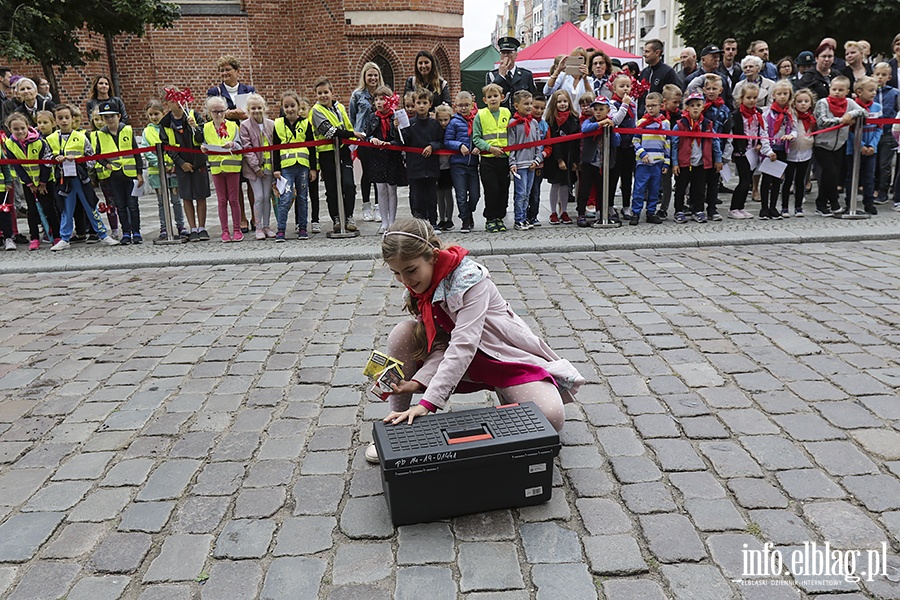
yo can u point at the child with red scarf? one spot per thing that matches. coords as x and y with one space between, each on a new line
782 132
463 337
799 153
623 112
830 147
672 95
464 166
746 121
866 88
559 168
523 129
386 168
716 110
695 160
652 151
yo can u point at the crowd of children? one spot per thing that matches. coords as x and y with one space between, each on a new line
673 151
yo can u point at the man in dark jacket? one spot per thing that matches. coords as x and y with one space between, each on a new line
657 74
508 76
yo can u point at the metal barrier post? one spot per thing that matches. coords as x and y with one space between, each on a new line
854 177
604 221
173 236
343 233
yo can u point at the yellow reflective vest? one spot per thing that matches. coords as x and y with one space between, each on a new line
222 163
292 156
32 151
151 138
341 122
493 131
110 144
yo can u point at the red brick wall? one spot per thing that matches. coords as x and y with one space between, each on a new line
279 48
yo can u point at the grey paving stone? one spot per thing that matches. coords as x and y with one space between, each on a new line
128 472
317 494
121 553
232 579
149 517
614 555
489 566
730 460
194 444
305 535
244 538
42 455
425 543
590 482
645 498
808 427
236 446
324 463
881 442
259 503
656 426
781 526
844 525
488 526
46 580
714 515
166 592
809 484
58 496
630 589
201 514
848 415
84 466
101 505
181 559
362 562
757 493
360 591
556 508
672 538
219 479
878 493
697 485
580 457
21 535
281 448
550 543
411 581
696 582
364 518
169 480
620 441
774 452
563 580
366 482
599 415
99 588
75 540
727 551
268 473
149 445
676 455
330 438
841 458
602 516
293 578
635 469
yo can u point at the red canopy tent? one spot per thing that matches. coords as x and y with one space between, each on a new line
538 57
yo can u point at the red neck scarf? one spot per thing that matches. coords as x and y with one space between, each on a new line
694 126
751 114
385 123
865 105
808 119
470 118
222 130
446 263
561 117
783 114
629 106
838 106
648 120
717 102
527 119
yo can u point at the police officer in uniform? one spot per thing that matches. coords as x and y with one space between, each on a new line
508 76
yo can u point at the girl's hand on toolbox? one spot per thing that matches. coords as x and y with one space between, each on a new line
407 415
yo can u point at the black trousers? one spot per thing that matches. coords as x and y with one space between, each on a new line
831 163
495 181
590 179
697 177
794 174
745 182
34 218
622 168
770 188
329 174
423 199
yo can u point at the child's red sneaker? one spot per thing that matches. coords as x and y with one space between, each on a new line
554 219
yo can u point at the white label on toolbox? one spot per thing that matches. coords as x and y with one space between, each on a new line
534 491
538 468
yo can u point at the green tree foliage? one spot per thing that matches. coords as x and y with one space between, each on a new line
790 27
46 31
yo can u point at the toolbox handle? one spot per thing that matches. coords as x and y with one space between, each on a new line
462 436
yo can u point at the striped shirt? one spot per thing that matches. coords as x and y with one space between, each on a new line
653 145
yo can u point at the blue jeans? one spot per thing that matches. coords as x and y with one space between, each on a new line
867 165
297 177
534 199
522 189
647 181
67 222
126 205
467 188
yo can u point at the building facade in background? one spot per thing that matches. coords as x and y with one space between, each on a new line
281 46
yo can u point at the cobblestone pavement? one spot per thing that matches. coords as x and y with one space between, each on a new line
197 432
547 238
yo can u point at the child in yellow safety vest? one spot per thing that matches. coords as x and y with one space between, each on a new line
102 175
150 137
6 222
221 135
257 131
27 144
125 172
